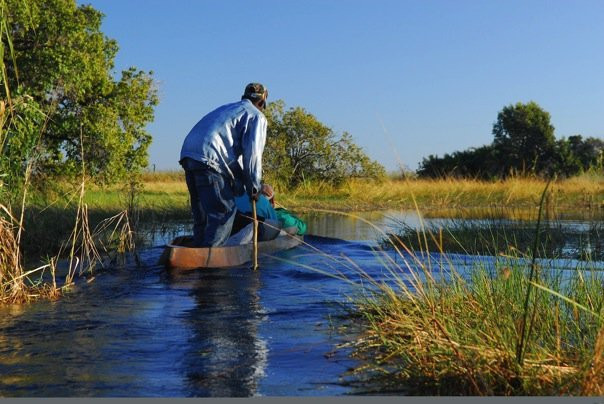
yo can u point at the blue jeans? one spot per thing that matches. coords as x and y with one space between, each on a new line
212 203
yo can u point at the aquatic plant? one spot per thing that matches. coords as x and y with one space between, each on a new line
10 265
508 325
492 236
463 336
514 323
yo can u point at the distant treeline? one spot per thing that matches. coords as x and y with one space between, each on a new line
524 143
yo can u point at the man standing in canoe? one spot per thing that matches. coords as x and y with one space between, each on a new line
211 156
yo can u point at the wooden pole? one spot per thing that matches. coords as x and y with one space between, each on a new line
255 251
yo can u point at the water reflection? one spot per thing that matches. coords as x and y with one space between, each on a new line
225 357
355 226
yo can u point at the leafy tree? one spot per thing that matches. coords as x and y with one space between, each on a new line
523 142
567 163
18 142
300 147
524 138
589 152
63 61
478 162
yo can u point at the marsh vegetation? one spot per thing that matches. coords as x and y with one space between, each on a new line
515 320
74 196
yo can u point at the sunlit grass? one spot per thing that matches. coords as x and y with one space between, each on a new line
575 193
501 325
434 196
460 336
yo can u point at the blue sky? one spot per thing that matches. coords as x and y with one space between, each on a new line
405 78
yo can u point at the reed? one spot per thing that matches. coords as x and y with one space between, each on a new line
503 325
11 271
83 246
494 236
462 338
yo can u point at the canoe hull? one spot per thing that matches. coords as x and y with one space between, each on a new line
178 255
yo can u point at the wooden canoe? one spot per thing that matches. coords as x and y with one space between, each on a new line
178 255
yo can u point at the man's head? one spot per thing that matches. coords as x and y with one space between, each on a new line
267 191
257 94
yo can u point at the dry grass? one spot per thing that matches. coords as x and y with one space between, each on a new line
593 383
16 286
451 197
451 193
431 329
166 194
12 286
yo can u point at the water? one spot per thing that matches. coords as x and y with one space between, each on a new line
152 332
135 332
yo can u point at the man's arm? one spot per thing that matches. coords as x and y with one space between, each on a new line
254 139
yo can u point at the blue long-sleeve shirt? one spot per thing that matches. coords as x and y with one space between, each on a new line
231 140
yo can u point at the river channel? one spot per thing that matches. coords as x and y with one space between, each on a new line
144 331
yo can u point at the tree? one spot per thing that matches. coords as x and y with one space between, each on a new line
472 163
524 138
300 147
524 143
61 59
567 163
589 152
576 155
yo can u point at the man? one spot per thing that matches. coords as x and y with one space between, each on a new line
212 154
268 226
264 207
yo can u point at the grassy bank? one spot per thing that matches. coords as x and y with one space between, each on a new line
165 193
168 191
163 196
586 192
477 335
512 324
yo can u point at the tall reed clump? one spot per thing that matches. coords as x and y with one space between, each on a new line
86 247
22 123
512 324
11 283
462 337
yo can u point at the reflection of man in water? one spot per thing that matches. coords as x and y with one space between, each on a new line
226 358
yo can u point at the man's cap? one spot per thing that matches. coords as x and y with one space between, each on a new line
255 91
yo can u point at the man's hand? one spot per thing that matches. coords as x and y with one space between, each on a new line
254 196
